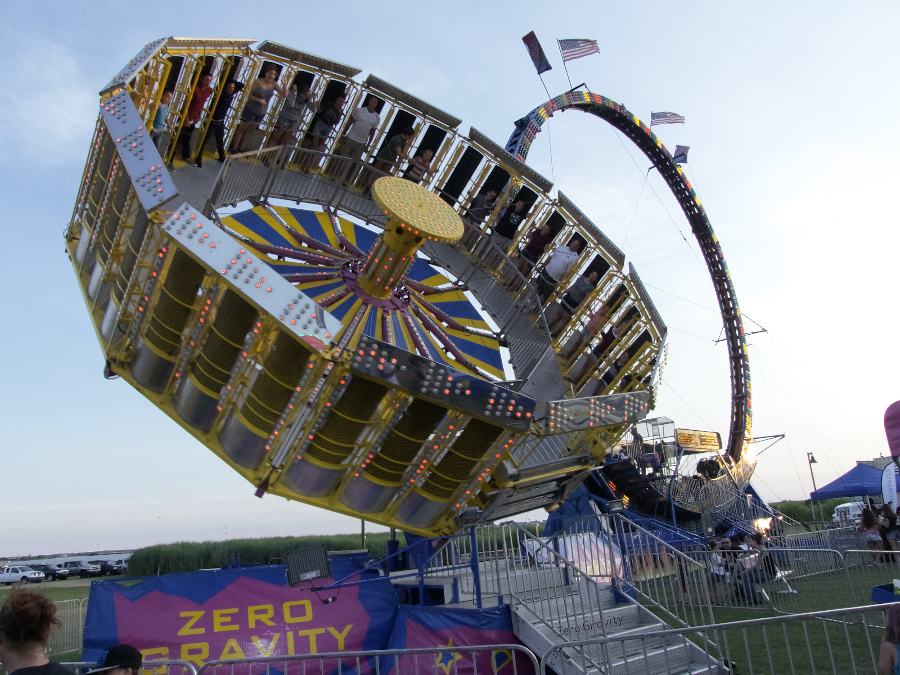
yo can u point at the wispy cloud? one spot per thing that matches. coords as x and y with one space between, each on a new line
50 108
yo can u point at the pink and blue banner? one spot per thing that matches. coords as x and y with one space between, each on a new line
450 631
236 614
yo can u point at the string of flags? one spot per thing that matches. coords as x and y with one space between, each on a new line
575 49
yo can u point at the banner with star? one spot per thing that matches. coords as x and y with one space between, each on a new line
236 614
452 630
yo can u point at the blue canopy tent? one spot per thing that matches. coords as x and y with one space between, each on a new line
862 480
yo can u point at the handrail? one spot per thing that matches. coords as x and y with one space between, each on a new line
148 664
825 615
374 653
291 173
554 558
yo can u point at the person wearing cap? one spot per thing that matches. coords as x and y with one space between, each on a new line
119 660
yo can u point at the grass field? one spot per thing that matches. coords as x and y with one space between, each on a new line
814 645
54 591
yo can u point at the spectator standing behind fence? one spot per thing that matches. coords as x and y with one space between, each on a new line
571 301
869 527
217 122
362 125
201 95
261 91
719 574
419 167
759 568
290 114
559 264
889 659
26 620
888 530
158 126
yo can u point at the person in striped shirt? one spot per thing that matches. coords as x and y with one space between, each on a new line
419 167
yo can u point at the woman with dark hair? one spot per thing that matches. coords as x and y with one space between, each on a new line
869 527
26 620
261 91
889 660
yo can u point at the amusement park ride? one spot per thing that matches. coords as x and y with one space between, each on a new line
371 352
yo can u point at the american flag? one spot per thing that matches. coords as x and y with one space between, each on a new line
575 49
666 118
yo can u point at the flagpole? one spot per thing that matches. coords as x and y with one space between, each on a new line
545 86
559 47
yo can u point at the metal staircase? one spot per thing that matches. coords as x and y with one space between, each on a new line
598 610
572 588
744 511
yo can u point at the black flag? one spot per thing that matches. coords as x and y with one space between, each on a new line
536 53
680 154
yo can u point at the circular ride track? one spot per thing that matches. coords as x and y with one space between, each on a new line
739 445
333 355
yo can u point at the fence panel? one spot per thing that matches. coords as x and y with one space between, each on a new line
868 568
513 659
839 642
151 667
68 636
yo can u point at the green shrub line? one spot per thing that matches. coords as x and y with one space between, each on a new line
188 556
801 511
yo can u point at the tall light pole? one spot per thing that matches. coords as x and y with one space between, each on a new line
812 460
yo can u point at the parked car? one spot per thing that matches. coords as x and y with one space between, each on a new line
109 567
82 569
52 571
16 573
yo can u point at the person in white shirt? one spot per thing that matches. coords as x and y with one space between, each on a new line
361 129
560 262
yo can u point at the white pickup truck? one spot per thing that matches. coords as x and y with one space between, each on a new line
15 573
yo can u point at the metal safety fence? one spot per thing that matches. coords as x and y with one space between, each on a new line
839 642
871 572
298 175
67 637
150 667
794 582
688 584
451 660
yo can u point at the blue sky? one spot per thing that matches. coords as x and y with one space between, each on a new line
789 112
